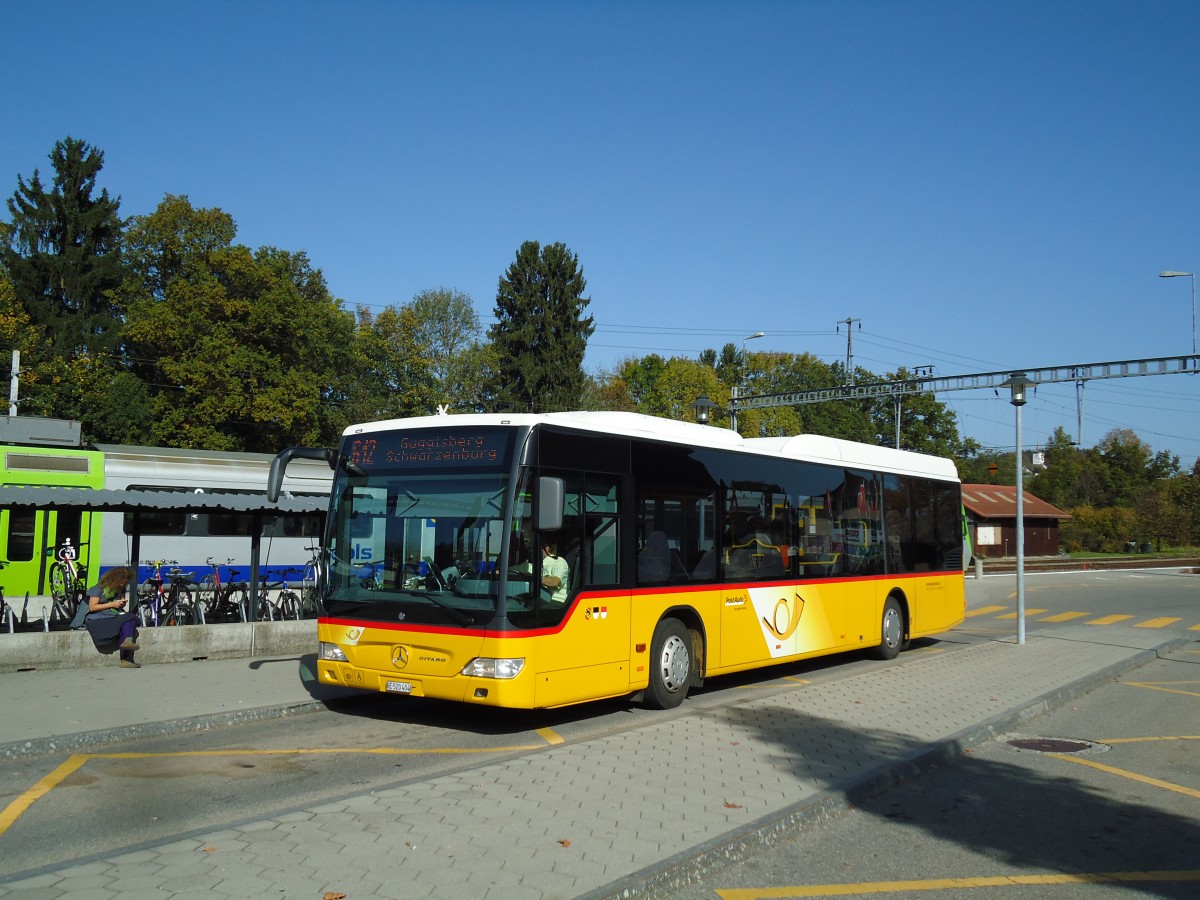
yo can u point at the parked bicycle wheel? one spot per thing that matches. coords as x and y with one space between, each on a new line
308 588
60 582
289 605
180 607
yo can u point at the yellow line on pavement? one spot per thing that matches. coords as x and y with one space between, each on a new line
1028 612
13 811
942 884
1152 739
550 736
983 611
1108 620
1064 617
939 884
1160 622
1162 686
1132 776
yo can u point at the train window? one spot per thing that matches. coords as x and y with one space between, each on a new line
292 526
171 523
21 534
229 524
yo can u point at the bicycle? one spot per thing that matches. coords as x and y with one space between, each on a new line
67 578
8 615
310 582
222 602
286 604
169 601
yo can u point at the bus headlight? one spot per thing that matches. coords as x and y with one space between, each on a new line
331 652
486 667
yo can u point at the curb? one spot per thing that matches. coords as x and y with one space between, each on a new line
687 869
85 740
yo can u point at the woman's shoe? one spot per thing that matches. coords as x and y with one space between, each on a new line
130 664
129 644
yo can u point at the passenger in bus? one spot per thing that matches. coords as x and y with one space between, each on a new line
111 626
555 572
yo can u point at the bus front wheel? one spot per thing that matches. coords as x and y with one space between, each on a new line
671 665
891 640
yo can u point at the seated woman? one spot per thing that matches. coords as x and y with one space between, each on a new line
107 621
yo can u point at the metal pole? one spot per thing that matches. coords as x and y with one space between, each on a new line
1020 537
15 378
733 396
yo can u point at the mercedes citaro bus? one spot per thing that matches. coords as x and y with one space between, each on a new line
690 552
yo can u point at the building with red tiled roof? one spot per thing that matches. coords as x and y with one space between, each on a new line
992 519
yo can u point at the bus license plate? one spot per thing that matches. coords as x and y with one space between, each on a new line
398 687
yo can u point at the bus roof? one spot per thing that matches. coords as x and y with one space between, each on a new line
808 447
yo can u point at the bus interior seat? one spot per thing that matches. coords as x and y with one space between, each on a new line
654 561
706 568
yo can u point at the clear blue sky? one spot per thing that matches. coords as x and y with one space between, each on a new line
984 185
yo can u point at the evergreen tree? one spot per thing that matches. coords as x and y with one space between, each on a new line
63 253
541 334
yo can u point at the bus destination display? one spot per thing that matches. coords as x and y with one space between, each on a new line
429 449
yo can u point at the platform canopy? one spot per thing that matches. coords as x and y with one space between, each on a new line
166 500
158 501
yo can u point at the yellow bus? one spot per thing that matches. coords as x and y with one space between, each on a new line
683 551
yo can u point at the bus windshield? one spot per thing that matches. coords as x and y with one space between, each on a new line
417 537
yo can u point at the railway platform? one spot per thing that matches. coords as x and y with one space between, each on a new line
626 814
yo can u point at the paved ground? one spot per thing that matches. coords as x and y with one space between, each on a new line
623 815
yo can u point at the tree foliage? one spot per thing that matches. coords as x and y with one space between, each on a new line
63 253
540 333
248 349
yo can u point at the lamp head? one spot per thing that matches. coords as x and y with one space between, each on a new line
1175 274
702 406
1017 382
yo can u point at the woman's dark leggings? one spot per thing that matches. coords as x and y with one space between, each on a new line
128 631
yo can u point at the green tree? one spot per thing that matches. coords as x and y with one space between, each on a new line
63 253
927 425
461 366
248 349
396 379
540 333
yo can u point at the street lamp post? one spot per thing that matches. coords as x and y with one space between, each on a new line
1191 275
733 405
1017 382
702 407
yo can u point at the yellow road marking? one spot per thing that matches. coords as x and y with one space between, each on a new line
1028 612
983 611
1108 620
1160 622
1164 737
1194 628
1162 686
10 813
550 736
941 884
1065 617
1132 776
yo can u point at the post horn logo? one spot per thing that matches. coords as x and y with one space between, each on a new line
399 657
786 618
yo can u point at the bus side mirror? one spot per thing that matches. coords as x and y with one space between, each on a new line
280 463
550 504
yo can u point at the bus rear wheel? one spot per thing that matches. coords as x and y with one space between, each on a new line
671 665
891 639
